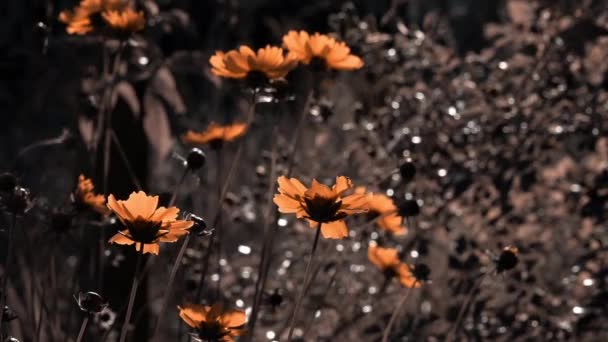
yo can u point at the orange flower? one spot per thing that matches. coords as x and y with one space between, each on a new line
215 134
85 196
320 204
125 21
145 223
333 54
387 260
212 323
269 62
83 18
382 205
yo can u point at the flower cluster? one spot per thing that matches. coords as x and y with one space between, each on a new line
93 15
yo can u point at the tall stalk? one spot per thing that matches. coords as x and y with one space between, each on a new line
6 268
292 321
398 309
125 325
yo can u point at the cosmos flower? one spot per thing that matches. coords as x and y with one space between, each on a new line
320 204
215 134
146 223
268 63
212 323
388 216
325 49
85 197
125 21
387 260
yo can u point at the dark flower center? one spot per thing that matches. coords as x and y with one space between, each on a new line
323 209
506 260
318 64
144 231
256 79
212 332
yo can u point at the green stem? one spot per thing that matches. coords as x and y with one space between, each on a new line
300 299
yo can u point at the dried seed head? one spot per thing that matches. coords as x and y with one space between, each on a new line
407 171
18 202
90 302
200 226
421 272
507 259
196 159
8 314
409 208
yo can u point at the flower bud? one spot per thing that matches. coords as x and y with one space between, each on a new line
507 259
196 159
90 302
407 171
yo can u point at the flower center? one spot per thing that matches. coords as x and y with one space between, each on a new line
144 231
318 64
212 332
323 209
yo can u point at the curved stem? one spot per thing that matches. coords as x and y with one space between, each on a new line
83 328
398 308
125 325
292 321
5 269
178 187
176 265
465 307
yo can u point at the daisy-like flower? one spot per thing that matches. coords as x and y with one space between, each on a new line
146 224
213 324
388 216
215 134
387 260
325 49
87 16
320 204
125 21
85 197
268 63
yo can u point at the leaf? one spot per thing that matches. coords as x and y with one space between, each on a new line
163 86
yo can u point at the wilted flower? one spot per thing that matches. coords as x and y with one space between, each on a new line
384 206
269 63
212 323
215 134
85 197
387 260
331 53
320 204
90 302
146 223
125 21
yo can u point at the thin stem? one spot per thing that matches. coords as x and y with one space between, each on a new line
176 265
219 214
268 238
465 307
398 308
300 299
6 268
216 219
125 325
178 187
83 328
124 158
298 131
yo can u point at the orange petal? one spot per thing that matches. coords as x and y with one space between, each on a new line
165 214
152 248
193 314
118 209
349 63
406 278
233 319
342 184
334 230
140 204
383 258
121 239
320 190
